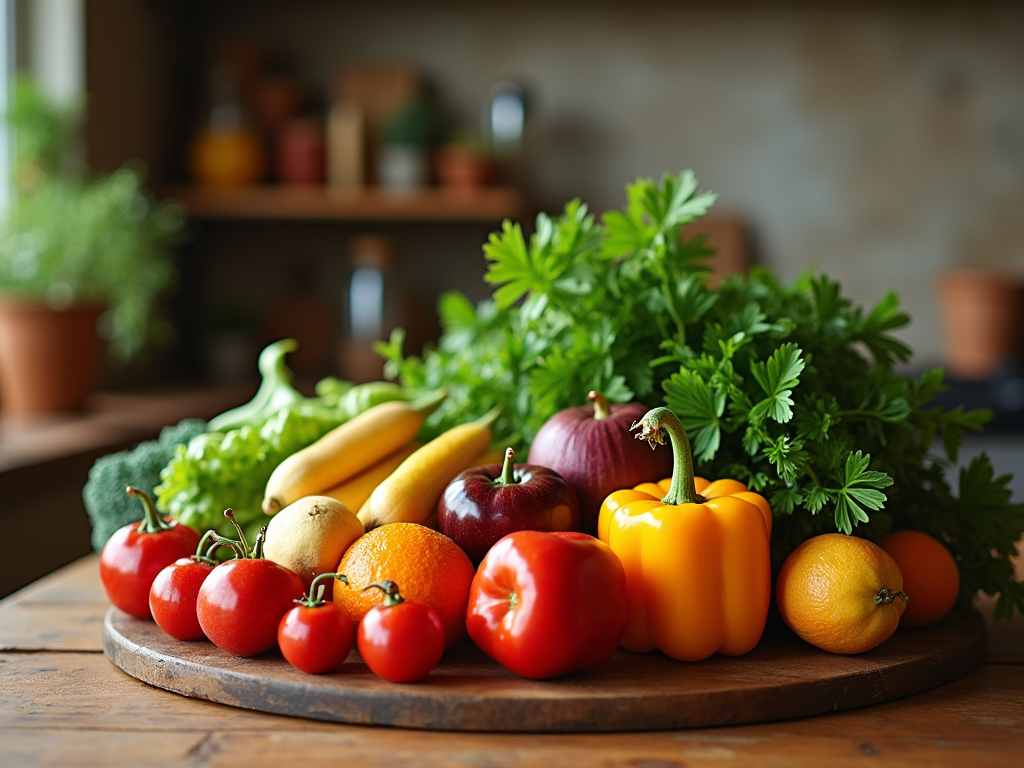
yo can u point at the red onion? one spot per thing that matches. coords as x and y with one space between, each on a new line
592 448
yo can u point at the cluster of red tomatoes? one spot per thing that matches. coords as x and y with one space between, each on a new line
247 605
540 604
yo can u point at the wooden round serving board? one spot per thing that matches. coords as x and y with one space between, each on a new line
783 677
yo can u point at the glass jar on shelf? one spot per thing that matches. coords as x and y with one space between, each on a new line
226 151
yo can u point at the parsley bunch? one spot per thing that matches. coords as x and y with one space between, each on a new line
789 389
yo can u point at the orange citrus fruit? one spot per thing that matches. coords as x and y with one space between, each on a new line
930 574
840 593
426 565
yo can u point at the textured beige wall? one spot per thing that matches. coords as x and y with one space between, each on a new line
879 145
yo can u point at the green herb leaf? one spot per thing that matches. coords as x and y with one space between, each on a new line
699 408
861 488
871 330
514 268
777 378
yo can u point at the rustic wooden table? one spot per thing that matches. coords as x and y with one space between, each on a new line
62 703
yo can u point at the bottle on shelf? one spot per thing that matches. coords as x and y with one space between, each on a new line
226 151
374 306
302 312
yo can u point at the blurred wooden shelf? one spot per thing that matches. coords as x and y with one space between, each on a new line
39 444
45 461
282 203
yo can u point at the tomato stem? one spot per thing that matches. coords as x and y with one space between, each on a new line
601 408
653 424
507 476
886 596
152 522
230 515
257 548
319 586
224 541
202 554
391 594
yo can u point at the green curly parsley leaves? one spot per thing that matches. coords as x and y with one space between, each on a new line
790 389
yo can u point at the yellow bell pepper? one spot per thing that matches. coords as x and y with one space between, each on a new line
696 555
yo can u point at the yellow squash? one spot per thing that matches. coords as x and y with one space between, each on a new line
354 492
410 494
346 451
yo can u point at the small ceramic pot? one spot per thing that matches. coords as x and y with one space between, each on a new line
403 168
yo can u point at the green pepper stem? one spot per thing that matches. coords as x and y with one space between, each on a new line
391 594
601 408
151 523
507 476
653 424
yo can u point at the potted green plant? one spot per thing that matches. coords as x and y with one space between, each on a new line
465 161
404 161
80 258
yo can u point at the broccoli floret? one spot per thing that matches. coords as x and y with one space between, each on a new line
106 502
180 434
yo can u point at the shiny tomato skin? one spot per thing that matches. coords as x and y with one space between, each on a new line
172 598
131 560
402 642
316 640
242 601
547 604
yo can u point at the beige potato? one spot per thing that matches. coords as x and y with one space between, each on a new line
310 535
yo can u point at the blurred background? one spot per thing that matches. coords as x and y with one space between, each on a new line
881 144
338 165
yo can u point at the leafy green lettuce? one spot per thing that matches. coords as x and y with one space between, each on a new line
218 470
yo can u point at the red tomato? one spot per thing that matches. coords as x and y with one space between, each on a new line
546 604
172 598
242 601
400 640
137 552
316 636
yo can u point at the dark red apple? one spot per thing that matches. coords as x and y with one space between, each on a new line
592 448
485 504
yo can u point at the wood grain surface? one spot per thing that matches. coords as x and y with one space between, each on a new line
74 708
783 677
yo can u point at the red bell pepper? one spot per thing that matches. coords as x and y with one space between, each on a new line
547 604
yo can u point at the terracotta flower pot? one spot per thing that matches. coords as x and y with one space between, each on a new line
981 314
49 359
462 167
